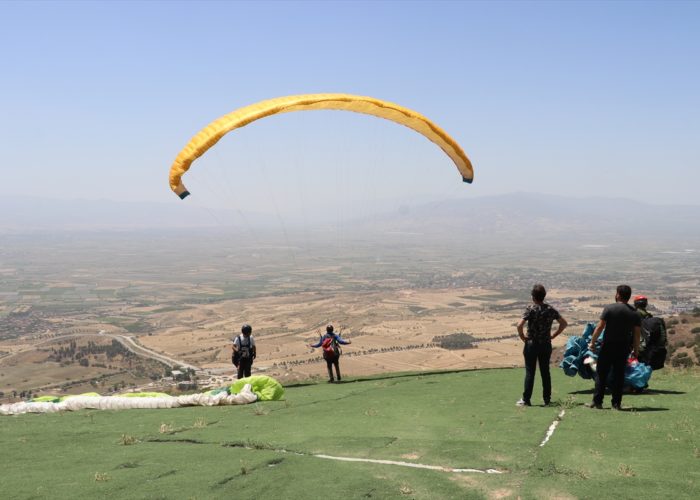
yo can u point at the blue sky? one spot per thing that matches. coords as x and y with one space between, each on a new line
567 98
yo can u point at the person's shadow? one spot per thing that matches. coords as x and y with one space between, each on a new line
582 391
638 409
633 393
661 391
641 409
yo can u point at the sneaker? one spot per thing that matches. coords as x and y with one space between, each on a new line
617 407
594 405
522 402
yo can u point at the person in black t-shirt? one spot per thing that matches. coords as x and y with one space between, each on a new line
621 323
538 343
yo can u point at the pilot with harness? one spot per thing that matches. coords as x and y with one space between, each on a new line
653 336
331 351
244 351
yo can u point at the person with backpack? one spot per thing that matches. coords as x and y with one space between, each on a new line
330 342
539 317
244 351
652 346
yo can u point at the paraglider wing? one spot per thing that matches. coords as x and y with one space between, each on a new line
212 133
244 391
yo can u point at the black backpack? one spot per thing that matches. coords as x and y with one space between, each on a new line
653 342
243 352
246 350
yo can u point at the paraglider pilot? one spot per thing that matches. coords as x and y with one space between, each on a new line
331 351
244 351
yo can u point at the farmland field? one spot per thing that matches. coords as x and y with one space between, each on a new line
391 299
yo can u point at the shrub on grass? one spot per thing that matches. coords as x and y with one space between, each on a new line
682 361
128 440
626 470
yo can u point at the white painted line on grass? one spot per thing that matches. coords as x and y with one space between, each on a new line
409 464
550 431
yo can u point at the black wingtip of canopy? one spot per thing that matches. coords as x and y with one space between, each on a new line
468 181
184 195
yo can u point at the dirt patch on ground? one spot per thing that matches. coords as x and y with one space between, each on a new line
389 331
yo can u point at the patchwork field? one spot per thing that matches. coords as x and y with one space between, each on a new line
391 296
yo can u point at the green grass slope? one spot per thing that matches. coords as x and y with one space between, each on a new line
452 420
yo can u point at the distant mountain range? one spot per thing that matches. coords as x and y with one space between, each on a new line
545 216
515 215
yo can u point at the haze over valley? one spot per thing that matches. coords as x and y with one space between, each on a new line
111 308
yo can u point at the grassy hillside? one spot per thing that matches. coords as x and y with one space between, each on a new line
454 420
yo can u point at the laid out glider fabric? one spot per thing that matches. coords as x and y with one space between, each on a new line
577 352
52 404
265 388
212 133
579 360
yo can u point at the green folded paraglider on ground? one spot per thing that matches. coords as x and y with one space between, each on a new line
244 391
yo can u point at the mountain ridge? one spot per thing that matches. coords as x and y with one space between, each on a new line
515 213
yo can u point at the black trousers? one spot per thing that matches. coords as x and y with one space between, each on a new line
612 358
244 367
535 352
332 361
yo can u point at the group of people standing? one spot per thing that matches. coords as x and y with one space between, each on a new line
622 325
245 351
620 321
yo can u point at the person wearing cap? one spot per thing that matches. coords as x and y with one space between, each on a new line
244 351
622 325
331 354
640 304
539 317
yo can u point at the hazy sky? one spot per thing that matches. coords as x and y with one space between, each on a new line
589 98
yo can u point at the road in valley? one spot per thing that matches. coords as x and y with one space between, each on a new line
128 342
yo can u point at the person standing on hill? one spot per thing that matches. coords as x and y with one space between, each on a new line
244 351
331 351
538 343
622 325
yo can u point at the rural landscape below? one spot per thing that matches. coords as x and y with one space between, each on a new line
116 311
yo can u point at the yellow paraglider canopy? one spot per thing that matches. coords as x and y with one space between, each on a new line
213 132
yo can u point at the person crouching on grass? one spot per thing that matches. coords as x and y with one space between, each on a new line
538 343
